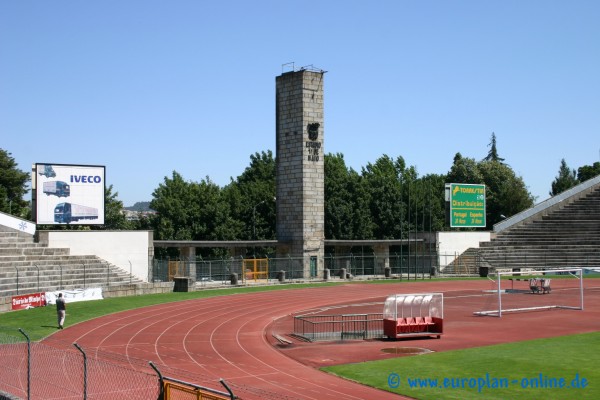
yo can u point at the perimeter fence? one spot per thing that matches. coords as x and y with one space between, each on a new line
58 370
210 272
36 370
220 271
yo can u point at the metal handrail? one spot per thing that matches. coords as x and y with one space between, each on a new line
546 204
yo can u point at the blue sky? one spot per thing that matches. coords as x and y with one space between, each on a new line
151 87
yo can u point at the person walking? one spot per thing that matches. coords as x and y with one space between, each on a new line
61 310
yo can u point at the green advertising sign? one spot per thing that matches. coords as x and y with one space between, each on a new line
467 205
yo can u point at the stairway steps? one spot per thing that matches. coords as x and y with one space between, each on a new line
37 267
569 236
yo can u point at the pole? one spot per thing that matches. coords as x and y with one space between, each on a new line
84 370
401 223
430 223
161 394
408 221
228 389
254 220
581 287
254 226
28 363
499 296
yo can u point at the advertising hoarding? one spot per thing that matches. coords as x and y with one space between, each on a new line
69 194
467 205
26 301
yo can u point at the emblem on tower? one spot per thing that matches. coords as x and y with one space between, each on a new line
313 130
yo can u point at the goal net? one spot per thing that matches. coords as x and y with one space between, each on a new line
535 290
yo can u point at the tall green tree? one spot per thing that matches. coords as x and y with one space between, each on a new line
346 205
172 201
362 222
409 200
382 182
251 199
506 193
566 179
464 170
588 172
188 210
338 198
114 219
434 202
13 187
493 152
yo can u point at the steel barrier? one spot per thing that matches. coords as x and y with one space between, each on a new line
339 326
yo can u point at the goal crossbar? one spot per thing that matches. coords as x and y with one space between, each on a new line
574 272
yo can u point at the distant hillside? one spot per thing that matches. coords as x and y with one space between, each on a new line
140 206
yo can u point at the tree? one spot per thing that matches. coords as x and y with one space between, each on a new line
346 208
408 200
434 216
588 172
464 170
566 179
493 153
251 199
362 222
382 183
186 210
506 193
113 212
13 186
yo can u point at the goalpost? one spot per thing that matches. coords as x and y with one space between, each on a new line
537 290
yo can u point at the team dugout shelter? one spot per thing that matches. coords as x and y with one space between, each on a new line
418 314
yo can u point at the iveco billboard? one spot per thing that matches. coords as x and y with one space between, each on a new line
69 194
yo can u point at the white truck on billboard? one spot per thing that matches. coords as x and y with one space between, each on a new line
48 171
65 213
57 188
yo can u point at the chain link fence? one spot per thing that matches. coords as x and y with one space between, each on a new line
42 370
208 272
53 369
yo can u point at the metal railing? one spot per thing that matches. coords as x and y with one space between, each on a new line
26 279
339 326
546 204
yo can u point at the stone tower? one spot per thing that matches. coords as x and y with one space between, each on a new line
300 168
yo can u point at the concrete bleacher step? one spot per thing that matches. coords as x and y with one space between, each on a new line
467 263
567 236
27 266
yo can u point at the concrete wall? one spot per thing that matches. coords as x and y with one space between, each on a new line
11 223
112 291
130 250
453 244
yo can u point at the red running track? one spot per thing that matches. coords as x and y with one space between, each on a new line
229 337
